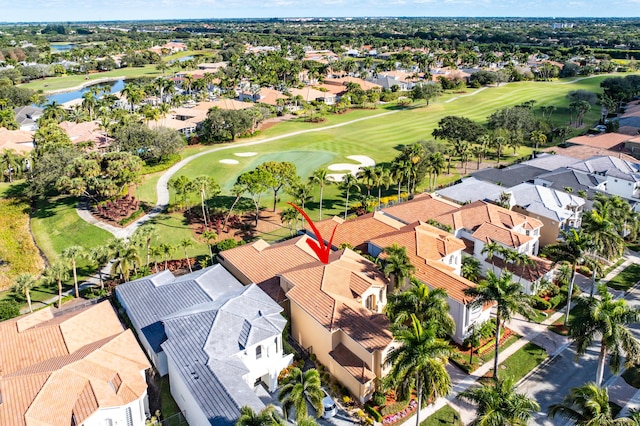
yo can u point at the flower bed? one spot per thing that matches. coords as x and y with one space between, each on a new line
393 418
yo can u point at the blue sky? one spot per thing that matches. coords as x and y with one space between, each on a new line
96 10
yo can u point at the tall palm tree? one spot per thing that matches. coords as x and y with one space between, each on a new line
167 251
381 178
491 248
72 254
156 251
206 187
99 256
587 405
508 297
126 260
397 264
53 111
500 404
471 268
420 361
144 235
210 236
266 417
427 305
56 273
398 172
23 285
319 177
348 181
301 193
607 320
572 249
367 174
607 242
296 388
237 191
290 216
185 244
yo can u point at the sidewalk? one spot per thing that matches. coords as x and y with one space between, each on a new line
530 332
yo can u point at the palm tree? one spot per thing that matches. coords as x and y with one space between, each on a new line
427 305
538 138
500 404
367 174
145 234
301 193
588 405
398 264
607 242
167 251
471 268
206 186
348 181
491 248
290 216
72 254
23 285
156 251
100 256
380 179
605 319
509 299
53 111
126 260
572 248
185 244
319 177
420 361
237 191
209 236
56 273
296 388
266 417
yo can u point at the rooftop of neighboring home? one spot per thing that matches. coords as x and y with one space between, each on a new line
88 131
150 299
309 94
329 293
223 103
509 176
567 178
550 162
422 207
583 152
357 231
259 262
18 140
472 216
628 130
545 201
172 123
490 232
27 115
471 189
603 140
204 342
86 354
270 96
531 273
610 166
343 81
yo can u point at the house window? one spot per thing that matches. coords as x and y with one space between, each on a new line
371 302
275 341
259 352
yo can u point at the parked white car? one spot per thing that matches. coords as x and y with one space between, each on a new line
328 404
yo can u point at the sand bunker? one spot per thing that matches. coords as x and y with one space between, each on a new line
349 167
245 154
228 161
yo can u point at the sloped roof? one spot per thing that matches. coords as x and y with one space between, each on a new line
204 342
350 362
86 354
18 140
530 273
489 232
328 293
471 189
356 232
603 140
422 207
551 161
547 202
472 215
509 176
310 94
610 166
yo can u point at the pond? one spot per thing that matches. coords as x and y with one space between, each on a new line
62 47
110 87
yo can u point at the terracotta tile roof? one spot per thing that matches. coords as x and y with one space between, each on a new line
603 140
223 103
472 215
356 232
342 81
270 96
428 241
489 232
260 262
329 294
583 152
354 365
310 94
88 131
422 207
86 354
438 275
19 140
531 274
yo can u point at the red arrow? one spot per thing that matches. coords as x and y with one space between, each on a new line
318 247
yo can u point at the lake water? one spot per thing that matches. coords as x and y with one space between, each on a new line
61 47
113 87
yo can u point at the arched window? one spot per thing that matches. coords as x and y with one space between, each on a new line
259 352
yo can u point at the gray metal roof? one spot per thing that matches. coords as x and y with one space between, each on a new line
205 341
567 178
545 201
472 189
509 176
551 161
152 298
610 166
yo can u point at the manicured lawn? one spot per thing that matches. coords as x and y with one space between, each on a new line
172 229
626 278
56 226
444 416
522 362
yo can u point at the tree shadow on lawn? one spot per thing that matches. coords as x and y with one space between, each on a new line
244 203
46 208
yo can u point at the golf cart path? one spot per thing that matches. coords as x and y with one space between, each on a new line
162 186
